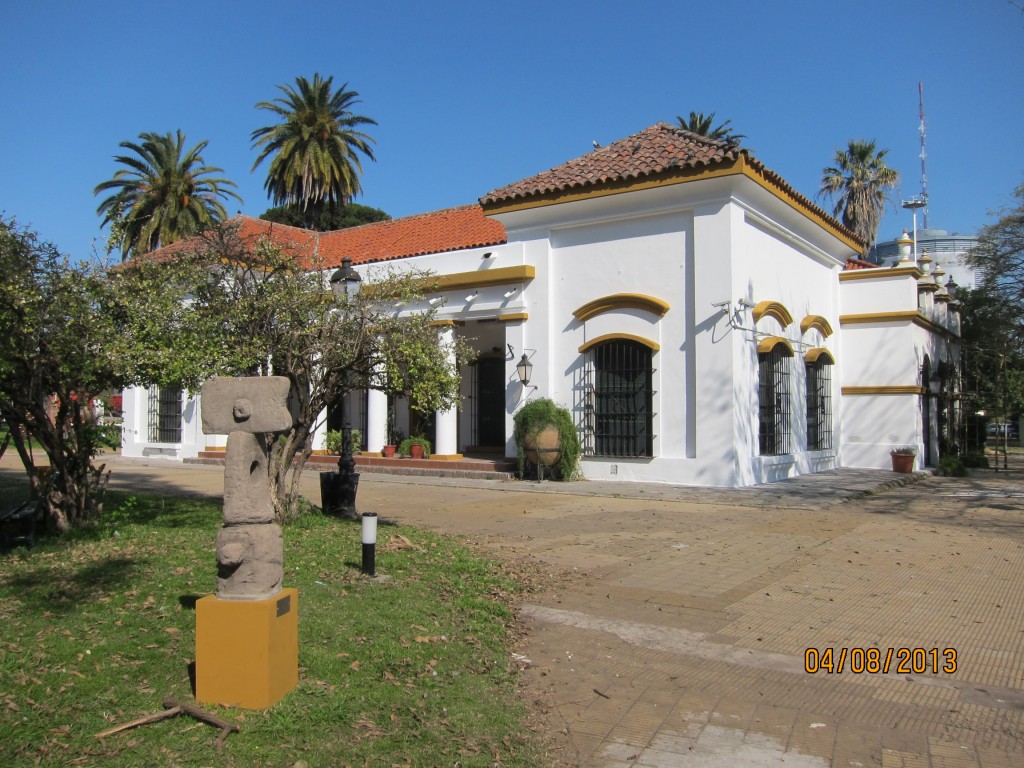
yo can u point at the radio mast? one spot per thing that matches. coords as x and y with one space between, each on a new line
921 128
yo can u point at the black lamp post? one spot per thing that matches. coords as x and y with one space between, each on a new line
338 489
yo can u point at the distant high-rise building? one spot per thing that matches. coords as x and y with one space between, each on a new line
946 250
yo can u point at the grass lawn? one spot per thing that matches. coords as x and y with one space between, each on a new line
414 670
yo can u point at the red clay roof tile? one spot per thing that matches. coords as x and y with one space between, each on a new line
451 229
660 149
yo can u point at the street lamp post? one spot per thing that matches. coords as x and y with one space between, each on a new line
338 489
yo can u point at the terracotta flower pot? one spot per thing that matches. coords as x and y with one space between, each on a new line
415 451
543 448
902 462
389 451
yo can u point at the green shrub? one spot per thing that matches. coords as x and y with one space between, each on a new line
406 445
532 418
950 466
975 460
334 440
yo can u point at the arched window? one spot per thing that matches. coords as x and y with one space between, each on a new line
818 370
773 397
620 417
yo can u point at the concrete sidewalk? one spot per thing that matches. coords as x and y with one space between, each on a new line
677 627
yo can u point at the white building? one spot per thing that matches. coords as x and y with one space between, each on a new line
703 321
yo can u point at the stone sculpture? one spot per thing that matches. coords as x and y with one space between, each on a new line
250 546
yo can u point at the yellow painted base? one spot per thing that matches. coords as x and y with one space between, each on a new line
446 457
247 651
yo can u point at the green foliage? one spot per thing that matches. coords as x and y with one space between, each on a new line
331 216
315 148
55 341
950 466
906 450
232 306
992 330
163 194
532 418
993 315
703 125
415 670
334 440
859 183
975 460
108 435
405 448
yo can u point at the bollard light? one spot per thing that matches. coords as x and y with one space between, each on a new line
370 543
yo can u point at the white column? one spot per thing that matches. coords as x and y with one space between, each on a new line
446 422
376 420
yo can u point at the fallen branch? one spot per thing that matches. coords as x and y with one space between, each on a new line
173 707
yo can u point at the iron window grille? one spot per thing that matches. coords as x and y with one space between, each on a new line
165 415
819 405
618 410
774 433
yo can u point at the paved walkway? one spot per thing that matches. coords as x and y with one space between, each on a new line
677 628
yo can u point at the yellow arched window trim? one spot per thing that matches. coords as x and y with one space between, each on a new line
771 342
817 322
819 353
621 301
651 345
773 309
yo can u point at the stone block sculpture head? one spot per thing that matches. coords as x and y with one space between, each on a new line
250 546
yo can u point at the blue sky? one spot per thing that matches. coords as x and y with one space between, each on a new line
472 96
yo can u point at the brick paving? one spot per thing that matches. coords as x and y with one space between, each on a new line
678 637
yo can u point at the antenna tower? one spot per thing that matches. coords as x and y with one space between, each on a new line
921 128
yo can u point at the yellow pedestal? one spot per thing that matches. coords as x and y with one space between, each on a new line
247 651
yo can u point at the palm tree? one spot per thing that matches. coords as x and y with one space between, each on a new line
859 182
315 147
164 194
701 124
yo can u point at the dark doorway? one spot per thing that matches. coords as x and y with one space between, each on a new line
490 392
926 411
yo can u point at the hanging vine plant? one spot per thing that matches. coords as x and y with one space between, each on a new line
532 419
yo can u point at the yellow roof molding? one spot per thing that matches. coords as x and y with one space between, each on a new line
651 345
445 323
891 389
512 317
481 278
621 301
879 273
819 353
771 342
773 309
817 322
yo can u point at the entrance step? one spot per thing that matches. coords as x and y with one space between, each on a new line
473 467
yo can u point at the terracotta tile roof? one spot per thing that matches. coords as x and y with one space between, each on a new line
451 229
659 152
655 151
860 264
300 241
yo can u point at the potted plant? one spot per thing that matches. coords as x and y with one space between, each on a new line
903 458
545 435
415 447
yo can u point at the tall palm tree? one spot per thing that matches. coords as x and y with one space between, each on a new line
859 183
702 124
164 193
315 147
